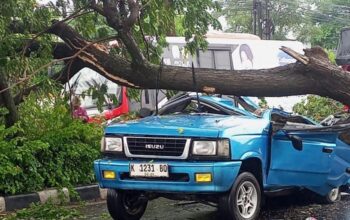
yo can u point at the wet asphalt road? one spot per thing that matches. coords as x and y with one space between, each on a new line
293 207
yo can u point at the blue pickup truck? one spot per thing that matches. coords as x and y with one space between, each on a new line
220 150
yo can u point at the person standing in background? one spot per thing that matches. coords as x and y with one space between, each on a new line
78 111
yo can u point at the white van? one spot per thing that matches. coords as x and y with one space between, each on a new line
231 51
236 52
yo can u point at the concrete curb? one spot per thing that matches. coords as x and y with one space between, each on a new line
2 204
11 203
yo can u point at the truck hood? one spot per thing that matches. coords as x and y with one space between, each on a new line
199 125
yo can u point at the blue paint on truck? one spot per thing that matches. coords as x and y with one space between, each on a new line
265 146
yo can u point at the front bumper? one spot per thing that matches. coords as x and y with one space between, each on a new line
224 175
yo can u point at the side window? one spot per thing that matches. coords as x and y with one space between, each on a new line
215 58
206 59
222 59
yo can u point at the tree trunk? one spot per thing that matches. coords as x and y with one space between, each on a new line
6 97
314 74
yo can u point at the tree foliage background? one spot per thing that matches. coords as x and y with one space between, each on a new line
317 21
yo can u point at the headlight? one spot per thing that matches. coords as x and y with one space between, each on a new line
205 148
220 148
113 144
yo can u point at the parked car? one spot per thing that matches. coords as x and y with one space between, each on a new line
111 111
82 82
216 149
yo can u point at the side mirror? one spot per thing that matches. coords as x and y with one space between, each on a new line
145 112
296 141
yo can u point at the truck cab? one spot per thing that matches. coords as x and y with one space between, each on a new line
209 148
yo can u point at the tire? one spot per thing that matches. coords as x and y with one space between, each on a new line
126 205
333 196
245 191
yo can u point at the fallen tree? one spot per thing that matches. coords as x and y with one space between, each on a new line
313 73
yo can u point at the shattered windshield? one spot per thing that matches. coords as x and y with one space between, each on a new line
187 104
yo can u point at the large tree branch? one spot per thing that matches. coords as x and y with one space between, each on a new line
96 7
76 14
134 8
119 21
316 76
84 51
61 77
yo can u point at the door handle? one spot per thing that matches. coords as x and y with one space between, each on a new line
327 150
348 170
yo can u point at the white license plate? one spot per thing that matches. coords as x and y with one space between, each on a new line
149 170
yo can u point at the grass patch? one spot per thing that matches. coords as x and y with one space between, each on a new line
47 211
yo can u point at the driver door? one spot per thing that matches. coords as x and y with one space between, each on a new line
318 166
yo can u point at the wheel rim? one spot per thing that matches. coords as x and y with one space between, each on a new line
132 203
247 199
333 194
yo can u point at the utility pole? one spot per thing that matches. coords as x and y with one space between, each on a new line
257 18
262 24
259 8
254 15
268 23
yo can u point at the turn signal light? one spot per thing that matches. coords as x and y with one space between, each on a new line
203 177
108 174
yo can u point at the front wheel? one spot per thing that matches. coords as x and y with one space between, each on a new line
244 200
333 196
126 205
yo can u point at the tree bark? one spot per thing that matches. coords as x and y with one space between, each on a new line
316 75
6 97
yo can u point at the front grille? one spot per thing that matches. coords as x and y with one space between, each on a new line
167 147
173 177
